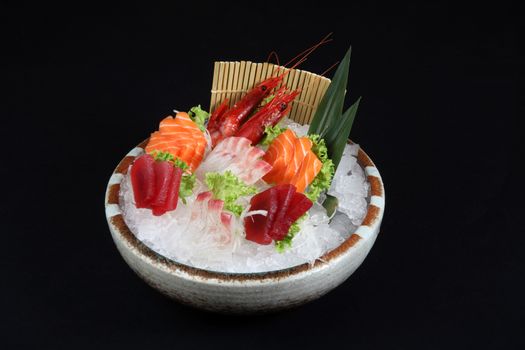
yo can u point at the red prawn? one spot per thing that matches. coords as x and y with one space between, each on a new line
225 122
268 115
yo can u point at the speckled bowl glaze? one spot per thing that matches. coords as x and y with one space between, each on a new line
245 292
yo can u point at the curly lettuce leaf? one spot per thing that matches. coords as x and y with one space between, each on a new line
319 147
267 100
270 133
323 180
199 116
229 188
162 156
168 157
187 182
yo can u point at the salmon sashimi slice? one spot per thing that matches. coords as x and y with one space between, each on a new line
200 150
237 155
309 169
279 155
160 142
180 137
186 154
302 146
182 121
278 168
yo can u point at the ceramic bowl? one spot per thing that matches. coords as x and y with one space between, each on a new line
245 292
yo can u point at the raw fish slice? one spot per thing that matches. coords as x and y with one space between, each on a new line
215 205
226 219
163 179
309 170
299 205
207 216
204 196
158 142
302 146
237 155
258 170
258 226
173 193
143 180
254 227
175 135
199 219
272 208
250 167
224 154
200 150
185 122
282 150
274 175
187 153
181 122
285 194
283 205
216 226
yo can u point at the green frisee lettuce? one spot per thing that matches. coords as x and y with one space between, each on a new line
270 133
187 182
323 180
162 156
199 116
229 188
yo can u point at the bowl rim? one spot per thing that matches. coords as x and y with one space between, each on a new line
371 222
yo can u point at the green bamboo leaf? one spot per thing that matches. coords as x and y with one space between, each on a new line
338 135
331 106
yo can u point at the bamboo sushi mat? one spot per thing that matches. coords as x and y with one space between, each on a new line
232 80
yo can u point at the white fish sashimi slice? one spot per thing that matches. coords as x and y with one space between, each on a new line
237 155
214 224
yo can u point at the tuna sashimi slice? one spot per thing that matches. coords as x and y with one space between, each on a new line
168 183
299 205
163 178
143 180
283 205
173 192
254 226
285 194
258 226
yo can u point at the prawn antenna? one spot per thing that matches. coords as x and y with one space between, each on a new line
300 58
273 54
329 68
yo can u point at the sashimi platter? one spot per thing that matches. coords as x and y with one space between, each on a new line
251 191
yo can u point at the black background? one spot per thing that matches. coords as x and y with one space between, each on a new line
439 116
